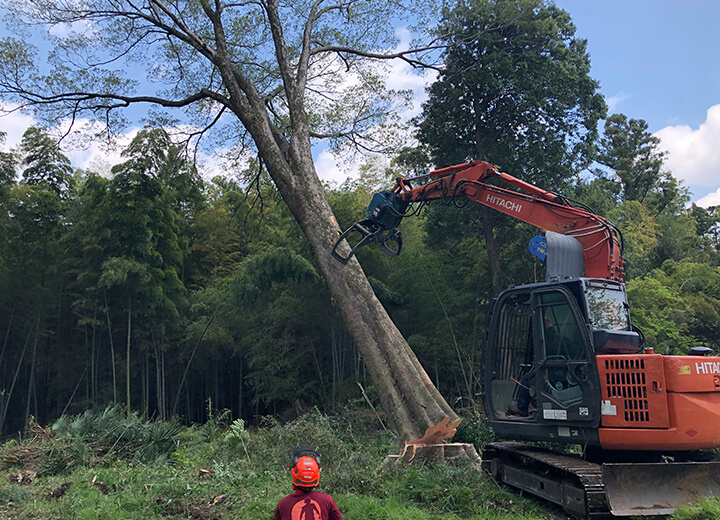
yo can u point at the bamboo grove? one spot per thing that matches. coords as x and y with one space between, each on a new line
176 296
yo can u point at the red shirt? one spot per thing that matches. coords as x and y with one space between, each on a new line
307 505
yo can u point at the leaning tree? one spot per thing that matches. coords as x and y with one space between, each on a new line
275 75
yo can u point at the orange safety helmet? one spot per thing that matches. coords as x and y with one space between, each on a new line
306 467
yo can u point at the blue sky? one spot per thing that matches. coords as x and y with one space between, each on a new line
655 60
660 61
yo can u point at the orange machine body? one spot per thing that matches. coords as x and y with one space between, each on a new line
653 402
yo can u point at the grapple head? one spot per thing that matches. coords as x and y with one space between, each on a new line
385 212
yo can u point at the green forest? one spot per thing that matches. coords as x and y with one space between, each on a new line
175 296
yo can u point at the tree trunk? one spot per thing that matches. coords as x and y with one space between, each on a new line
487 221
93 373
446 454
159 385
8 396
492 250
31 383
163 399
7 335
127 358
146 385
112 352
408 396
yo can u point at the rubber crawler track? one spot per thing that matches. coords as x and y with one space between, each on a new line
567 480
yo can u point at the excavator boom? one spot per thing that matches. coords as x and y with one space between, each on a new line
600 239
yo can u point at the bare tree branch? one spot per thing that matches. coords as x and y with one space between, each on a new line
405 56
32 98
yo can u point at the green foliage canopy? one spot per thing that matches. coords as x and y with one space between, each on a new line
515 90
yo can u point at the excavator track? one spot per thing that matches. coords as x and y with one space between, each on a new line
589 490
566 480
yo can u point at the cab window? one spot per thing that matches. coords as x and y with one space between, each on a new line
561 342
608 308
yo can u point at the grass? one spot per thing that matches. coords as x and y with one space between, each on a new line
708 509
110 466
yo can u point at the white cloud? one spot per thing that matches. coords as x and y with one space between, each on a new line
694 155
98 156
402 76
399 76
328 168
222 162
14 125
67 29
94 155
614 101
711 199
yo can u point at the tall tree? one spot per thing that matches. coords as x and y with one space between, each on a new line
7 167
144 256
33 220
708 228
260 63
217 242
634 157
43 162
677 305
87 241
652 203
516 92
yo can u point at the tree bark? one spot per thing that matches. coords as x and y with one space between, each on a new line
487 221
408 396
127 356
446 454
8 395
492 249
31 383
112 352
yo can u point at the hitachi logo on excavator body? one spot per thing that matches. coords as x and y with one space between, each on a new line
707 367
498 201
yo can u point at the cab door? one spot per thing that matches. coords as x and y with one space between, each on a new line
508 353
565 385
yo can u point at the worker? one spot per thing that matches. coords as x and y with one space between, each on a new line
560 343
305 503
521 406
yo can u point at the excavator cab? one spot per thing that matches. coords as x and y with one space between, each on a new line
542 339
564 363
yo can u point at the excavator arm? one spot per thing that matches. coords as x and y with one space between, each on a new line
601 241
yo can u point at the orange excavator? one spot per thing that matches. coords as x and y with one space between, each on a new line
564 363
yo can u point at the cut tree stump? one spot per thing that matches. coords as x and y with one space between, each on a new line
447 454
428 448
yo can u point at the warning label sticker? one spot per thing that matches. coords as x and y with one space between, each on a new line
608 408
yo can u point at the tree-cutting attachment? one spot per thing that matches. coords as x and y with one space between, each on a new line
563 361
